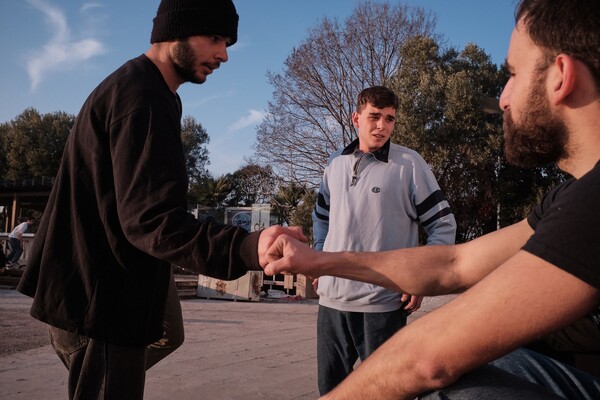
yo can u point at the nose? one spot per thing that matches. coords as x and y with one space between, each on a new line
221 53
505 96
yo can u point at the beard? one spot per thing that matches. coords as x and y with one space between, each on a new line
183 63
540 138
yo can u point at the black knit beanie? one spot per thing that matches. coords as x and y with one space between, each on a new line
178 19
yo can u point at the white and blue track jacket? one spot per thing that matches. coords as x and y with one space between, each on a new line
374 202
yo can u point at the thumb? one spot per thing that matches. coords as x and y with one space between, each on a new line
274 267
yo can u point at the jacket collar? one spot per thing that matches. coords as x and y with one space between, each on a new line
380 154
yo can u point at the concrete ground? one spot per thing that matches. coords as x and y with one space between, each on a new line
233 350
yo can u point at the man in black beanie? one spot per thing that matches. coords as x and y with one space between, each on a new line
120 195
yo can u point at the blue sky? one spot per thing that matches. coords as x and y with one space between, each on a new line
54 52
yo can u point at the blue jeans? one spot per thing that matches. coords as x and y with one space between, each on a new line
491 383
343 337
522 374
15 250
564 380
99 370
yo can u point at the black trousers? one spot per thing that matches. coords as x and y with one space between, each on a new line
102 371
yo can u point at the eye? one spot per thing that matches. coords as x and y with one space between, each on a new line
217 38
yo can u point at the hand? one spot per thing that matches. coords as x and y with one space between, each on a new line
288 255
413 304
268 236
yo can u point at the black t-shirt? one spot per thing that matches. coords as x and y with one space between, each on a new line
567 227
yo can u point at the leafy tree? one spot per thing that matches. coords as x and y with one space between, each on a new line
441 115
302 215
211 192
287 199
310 115
195 138
32 144
294 204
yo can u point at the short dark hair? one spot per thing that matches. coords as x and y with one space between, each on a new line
378 96
565 26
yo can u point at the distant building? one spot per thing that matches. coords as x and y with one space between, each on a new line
20 198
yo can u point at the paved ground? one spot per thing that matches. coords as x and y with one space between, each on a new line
233 350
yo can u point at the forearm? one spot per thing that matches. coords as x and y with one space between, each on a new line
427 270
371 386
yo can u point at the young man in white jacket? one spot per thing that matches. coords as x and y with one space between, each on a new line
373 197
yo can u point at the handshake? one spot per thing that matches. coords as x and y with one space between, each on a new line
285 250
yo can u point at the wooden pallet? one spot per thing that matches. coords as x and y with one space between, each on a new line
245 288
187 285
297 284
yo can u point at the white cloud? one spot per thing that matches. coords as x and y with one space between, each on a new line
239 45
195 102
254 117
87 6
60 52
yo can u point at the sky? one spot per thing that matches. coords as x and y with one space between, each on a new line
55 52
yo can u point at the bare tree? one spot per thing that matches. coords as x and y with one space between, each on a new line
443 95
251 184
310 114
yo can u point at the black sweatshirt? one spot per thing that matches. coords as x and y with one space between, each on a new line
117 217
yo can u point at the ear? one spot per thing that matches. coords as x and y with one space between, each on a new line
355 119
561 78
